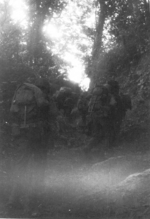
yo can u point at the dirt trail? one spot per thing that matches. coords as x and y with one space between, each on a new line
70 182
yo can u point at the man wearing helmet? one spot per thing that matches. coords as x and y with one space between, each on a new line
99 111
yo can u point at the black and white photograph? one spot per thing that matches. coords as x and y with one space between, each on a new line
75 109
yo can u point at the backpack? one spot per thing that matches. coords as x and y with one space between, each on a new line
82 105
26 103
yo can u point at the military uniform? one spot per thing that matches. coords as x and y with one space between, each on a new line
32 143
107 108
65 100
99 111
120 103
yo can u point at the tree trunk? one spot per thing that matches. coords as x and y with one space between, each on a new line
97 47
36 36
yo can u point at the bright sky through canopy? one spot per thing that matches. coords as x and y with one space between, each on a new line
69 40
18 11
65 34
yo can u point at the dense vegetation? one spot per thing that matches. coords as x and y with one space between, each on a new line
125 56
116 47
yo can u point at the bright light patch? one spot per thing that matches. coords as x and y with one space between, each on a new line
75 74
90 22
19 12
69 40
52 31
70 58
85 83
76 69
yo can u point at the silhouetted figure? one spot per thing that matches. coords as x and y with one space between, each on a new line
65 100
33 113
106 111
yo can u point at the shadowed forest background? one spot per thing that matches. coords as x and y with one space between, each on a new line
116 46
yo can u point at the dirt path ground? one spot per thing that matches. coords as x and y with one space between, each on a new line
72 185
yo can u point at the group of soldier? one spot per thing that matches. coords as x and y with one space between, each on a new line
35 111
101 110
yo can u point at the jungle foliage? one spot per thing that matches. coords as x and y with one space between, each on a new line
127 56
124 57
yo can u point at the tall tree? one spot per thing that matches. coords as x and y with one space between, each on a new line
39 11
25 49
129 24
105 10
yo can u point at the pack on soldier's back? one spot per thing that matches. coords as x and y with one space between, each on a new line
27 106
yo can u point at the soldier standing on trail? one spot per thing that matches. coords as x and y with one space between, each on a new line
99 112
98 120
107 108
33 113
120 103
65 100
30 113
